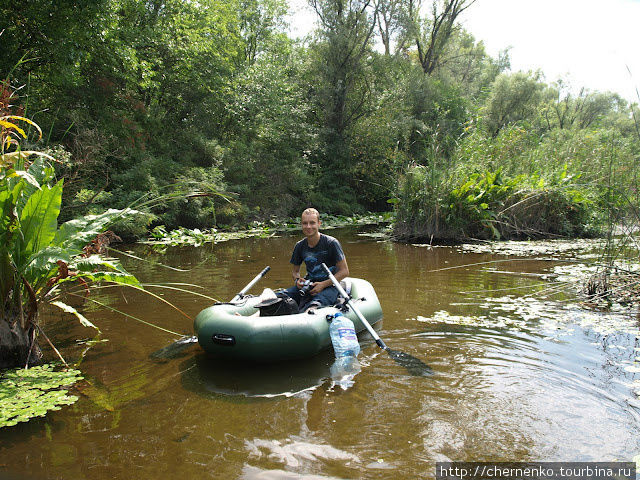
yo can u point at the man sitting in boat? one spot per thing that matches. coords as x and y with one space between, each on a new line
315 249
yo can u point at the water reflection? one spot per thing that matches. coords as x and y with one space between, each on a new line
344 370
213 377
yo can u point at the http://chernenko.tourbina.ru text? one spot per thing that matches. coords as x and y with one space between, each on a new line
536 470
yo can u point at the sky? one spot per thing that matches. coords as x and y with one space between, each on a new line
589 43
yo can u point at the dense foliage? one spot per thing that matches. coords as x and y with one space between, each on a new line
387 103
37 255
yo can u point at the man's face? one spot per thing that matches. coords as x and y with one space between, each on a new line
310 224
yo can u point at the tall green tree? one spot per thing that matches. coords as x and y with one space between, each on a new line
343 49
261 24
514 98
268 149
392 19
48 40
565 109
466 64
433 32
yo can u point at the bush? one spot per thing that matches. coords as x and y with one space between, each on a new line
490 205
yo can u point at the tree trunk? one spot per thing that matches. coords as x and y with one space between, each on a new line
16 345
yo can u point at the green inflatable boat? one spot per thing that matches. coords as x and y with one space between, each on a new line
236 330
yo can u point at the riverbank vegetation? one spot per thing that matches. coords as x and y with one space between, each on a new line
38 256
386 105
274 226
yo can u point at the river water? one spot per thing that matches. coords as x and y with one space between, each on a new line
521 371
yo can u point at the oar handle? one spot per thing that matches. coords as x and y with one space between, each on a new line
255 280
347 297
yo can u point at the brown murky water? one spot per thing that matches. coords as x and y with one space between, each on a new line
520 373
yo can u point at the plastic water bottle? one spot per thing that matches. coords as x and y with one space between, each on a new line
346 348
343 336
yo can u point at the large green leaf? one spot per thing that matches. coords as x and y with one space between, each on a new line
9 195
39 173
8 224
29 178
121 278
89 264
7 210
39 219
41 170
75 234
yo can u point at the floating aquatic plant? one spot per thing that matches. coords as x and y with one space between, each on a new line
575 273
606 323
29 393
197 237
533 247
549 318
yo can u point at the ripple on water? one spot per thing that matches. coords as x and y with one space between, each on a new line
293 457
255 473
522 374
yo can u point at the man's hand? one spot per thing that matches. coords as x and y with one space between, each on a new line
319 286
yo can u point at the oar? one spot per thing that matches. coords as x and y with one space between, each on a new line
413 365
173 350
255 280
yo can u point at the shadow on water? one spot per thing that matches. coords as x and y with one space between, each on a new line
212 377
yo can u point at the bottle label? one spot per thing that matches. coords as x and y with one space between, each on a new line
347 333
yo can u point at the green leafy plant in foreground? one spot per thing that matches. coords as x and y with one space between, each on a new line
37 255
25 394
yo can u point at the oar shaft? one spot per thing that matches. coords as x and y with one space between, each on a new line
255 280
355 309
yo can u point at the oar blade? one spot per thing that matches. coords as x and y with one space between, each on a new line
175 349
413 365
